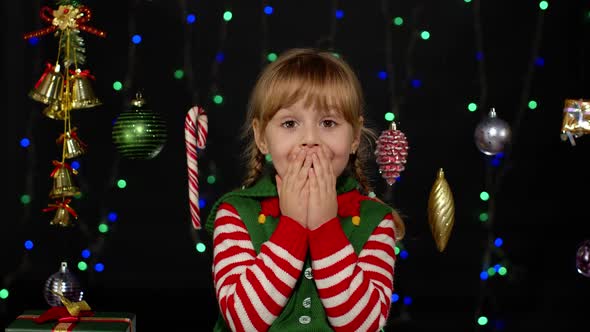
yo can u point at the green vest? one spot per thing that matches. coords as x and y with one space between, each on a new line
304 310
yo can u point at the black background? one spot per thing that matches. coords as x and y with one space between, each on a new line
152 268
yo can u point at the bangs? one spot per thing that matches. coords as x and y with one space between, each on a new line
320 80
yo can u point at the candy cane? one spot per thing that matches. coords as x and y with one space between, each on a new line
195 135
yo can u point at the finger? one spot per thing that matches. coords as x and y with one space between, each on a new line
329 171
330 168
302 174
298 162
279 184
289 166
317 167
305 192
313 184
292 168
322 171
317 172
300 171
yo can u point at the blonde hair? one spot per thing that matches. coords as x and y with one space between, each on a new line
324 81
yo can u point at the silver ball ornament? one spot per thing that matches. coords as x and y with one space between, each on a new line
64 282
492 134
583 259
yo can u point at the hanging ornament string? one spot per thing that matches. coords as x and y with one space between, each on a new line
64 87
195 135
65 17
392 145
67 105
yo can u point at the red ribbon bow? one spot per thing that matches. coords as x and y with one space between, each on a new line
46 15
62 205
73 134
83 73
59 165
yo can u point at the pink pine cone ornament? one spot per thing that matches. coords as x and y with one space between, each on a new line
391 153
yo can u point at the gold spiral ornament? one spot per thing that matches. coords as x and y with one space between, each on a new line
441 211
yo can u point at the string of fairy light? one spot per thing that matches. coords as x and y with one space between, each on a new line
392 112
108 216
26 143
216 93
494 259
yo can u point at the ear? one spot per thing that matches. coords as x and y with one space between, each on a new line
259 137
356 141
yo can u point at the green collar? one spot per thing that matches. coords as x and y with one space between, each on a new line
266 187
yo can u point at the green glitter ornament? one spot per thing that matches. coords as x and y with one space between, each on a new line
139 133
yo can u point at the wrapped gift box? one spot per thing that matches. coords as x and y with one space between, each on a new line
99 321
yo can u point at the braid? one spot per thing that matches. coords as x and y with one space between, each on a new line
399 226
359 174
255 167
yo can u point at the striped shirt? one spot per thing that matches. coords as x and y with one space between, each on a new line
253 289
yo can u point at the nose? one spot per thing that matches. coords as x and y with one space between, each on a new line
310 137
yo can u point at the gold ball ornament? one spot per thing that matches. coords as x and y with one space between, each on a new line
441 211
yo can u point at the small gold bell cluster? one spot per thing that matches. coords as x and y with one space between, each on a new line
64 87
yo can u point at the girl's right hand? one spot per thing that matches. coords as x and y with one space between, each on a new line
293 188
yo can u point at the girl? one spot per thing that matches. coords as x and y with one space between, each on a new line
298 247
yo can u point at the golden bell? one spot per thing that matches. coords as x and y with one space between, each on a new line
82 93
61 218
73 148
62 184
49 87
55 111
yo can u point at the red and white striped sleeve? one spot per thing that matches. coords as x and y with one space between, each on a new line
355 290
253 289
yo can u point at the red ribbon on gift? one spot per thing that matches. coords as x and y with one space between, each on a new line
60 314
67 322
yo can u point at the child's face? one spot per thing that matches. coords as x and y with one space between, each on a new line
297 126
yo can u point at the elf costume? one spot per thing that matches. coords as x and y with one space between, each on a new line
272 274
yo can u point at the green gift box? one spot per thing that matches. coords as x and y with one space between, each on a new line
100 321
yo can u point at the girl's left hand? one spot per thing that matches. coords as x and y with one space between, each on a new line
323 205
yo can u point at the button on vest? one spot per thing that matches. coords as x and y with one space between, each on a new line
304 320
